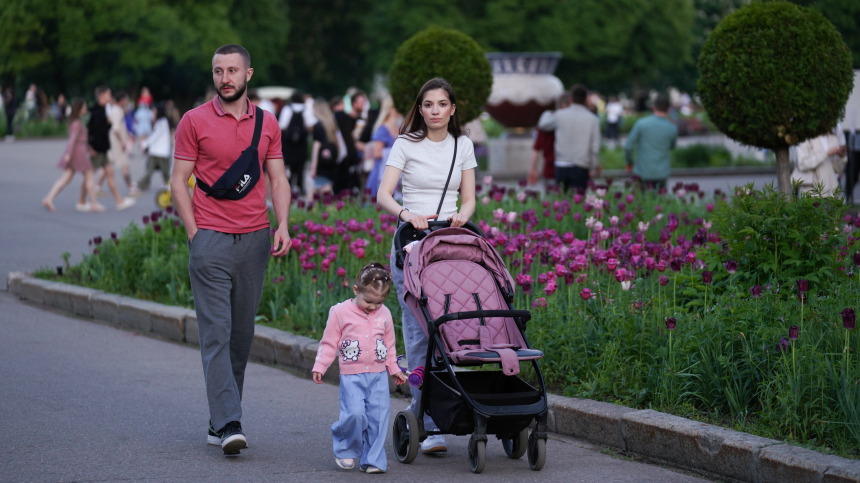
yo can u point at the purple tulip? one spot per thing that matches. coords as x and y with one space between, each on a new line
731 266
783 345
793 332
145 219
707 277
97 240
670 323
157 228
113 235
585 294
856 259
802 285
756 291
848 318
664 280
675 264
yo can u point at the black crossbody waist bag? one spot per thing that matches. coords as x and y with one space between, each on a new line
241 177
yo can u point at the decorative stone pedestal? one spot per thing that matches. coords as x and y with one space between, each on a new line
510 156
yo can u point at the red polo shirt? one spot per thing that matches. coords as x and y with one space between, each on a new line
213 140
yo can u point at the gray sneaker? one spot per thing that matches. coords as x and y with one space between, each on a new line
214 437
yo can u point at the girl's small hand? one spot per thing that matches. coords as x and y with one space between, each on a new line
418 221
318 377
458 219
399 378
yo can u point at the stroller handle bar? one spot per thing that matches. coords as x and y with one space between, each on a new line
525 315
406 234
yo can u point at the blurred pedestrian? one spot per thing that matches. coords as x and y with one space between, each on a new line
820 162
158 147
145 97
120 142
265 104
386 130
295 121
614 113
348 125
577 141
326 151
544 146
58 108
142 121
75 159
99 140
652 138
11 107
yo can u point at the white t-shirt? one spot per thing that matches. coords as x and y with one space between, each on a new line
425 166
614 112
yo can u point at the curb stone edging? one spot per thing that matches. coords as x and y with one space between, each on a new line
656 436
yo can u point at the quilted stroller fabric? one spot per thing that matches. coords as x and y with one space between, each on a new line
458 271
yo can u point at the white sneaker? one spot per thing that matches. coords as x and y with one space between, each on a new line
372 470
82 207
134 191
434 444
125 203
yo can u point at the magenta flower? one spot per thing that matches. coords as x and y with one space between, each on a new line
551 287
756 291
848 318
802 285
661 266
585 293
793 332
731 266
670 323
676 264
664 280
611 264
783 345
539 302
856 259
97 240
707 277
145 219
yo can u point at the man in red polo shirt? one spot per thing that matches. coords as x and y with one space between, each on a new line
228 240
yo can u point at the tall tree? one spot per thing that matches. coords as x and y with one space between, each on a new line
845 16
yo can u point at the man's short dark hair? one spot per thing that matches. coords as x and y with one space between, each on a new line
335 101
101 90
578 93
252 94
565 98
661 104
359 93
298 97
120 95
235 49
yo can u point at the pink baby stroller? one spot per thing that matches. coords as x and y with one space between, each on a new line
461 293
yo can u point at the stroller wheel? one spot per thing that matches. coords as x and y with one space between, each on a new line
536 452
405 436
515 448
477 454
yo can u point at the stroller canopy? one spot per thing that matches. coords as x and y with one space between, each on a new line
453 244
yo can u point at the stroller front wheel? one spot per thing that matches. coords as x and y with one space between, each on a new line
536 452
405 436
515 448
477 454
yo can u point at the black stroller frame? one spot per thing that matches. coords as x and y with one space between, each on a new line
454 396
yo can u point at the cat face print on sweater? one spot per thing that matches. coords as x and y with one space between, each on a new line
381 350
349 350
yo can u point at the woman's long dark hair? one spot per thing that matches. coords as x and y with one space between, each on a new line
414 127
75 112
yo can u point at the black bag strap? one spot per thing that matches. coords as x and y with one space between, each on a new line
451 171
258 126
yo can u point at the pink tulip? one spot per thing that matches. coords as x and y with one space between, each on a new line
341 272
539 302
661 266
611 264
585 294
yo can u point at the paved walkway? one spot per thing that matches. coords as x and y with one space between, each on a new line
88 402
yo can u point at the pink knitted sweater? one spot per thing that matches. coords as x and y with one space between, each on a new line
361 342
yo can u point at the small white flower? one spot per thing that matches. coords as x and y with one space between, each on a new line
589 222
658 217
626 285
521 196
598 226
643 226
601 192
708 225
613 220
485 200
488 179
604 234
682 193
512 216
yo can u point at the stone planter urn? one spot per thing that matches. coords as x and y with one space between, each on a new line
523 88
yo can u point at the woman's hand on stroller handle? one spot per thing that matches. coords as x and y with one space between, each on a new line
419 222
458 219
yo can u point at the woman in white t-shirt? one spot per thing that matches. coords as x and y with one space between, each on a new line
422 156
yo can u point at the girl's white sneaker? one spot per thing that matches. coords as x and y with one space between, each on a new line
371 470
345 463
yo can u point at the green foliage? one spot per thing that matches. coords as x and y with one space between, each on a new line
692 156
774 74
37 128
446 53
845 16
779 240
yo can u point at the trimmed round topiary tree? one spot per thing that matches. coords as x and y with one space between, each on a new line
446 53
774 74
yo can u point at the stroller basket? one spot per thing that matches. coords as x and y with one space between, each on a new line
452 413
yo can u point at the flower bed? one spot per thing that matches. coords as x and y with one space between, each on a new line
668 300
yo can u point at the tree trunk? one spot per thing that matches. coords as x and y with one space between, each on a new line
783 170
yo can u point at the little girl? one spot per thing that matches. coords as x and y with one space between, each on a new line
360 333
